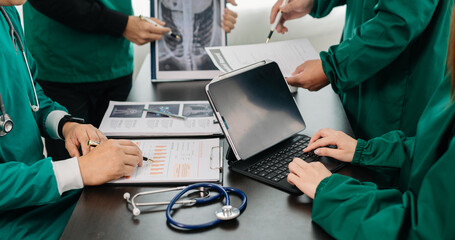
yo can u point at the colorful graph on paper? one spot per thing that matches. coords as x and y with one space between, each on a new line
177 160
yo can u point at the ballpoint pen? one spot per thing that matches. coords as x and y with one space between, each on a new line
165 113
157 25
277 20
92 143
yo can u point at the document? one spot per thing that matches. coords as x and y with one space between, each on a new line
151 119
288 55
178 161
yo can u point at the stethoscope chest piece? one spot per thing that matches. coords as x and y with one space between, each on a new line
227 213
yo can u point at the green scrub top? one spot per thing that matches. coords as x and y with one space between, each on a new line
68 55
31 206
386 63
422 204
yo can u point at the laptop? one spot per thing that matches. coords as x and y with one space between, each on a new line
261 122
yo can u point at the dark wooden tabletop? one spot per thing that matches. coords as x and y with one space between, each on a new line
102 213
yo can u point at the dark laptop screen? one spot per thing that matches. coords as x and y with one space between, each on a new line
257 108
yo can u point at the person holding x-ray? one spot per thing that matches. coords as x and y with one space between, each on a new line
39 194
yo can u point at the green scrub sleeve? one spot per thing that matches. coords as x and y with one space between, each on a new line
322 8
349 209
376 43
24 186
388 150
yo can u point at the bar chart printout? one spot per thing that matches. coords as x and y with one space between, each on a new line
177 160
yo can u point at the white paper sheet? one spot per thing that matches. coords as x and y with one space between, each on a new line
177 161
287 54
128 119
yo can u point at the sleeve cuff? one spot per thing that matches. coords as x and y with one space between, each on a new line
356 160
68 175
114 22
52 121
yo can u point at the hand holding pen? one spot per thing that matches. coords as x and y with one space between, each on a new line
285 10
141 32
178 37
92 143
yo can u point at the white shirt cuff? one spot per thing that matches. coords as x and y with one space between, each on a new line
52 121
68 175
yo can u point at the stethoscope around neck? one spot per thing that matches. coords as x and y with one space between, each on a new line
6 124
227 212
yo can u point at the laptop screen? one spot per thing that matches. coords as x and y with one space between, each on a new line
257 108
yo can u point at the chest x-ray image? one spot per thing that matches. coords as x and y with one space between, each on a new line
198 24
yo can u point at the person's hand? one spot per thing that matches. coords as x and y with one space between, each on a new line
309 75
229 18
77 135
111 160
141 32
307 176
345 145
294 9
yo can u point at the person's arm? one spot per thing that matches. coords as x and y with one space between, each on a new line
322 8
24 185
85 15
349 209
389 150
376 43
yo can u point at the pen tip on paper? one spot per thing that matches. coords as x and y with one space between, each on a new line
267 41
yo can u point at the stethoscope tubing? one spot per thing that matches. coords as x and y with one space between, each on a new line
223 192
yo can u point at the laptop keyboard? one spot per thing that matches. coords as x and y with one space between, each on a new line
275 166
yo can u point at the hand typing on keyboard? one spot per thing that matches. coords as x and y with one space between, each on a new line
307 176
320 142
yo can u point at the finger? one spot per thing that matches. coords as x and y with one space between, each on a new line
320 134
72 149
128 170
101 136
228 26
301 163
293 81
131 160
299 69
82 139
288 7
292 178
158 21
229 14
158 30
275 10
322 142
232 2
329 152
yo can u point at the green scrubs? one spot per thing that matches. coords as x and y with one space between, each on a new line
422 204
67 55
385 65
31 206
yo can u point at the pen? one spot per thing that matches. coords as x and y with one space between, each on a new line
92 143
277 19
165 114
157 25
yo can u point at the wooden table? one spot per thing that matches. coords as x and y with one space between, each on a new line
101 212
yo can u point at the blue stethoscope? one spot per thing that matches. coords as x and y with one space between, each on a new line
6 124
227 212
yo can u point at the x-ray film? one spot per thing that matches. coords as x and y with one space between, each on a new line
198 24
